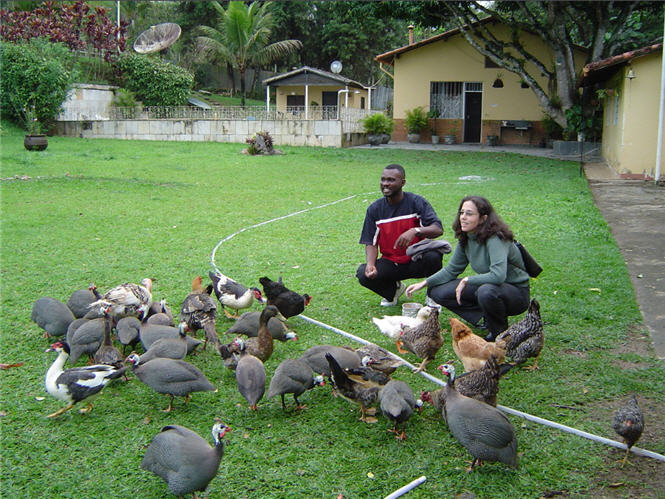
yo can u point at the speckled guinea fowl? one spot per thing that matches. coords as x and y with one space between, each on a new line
293 376
160 313
315 357
183 459
169 348
423 340
149 333
78 383
172 377
397 403
355 389
52 316
251 380
199 311
86 339
79 302
482 429
232 294
525 338
248 324
107 353
628 422
127 330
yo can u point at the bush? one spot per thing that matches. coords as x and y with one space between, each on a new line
376 124
416 120
154 82
35 79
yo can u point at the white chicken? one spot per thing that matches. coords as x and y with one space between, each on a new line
392 325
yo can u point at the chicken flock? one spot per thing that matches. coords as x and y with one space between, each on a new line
467 403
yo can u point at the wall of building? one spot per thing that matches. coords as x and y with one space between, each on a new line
325 133
315 94
630 121
88 101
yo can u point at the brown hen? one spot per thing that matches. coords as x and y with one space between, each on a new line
423 340
473 350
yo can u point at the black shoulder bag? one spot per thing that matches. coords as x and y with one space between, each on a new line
530 264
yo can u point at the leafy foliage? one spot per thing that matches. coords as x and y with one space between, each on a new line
378 123
261 143
76 25
35 81
154 82
416 120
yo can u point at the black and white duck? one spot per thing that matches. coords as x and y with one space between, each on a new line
232 294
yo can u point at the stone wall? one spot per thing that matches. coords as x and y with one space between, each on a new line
325 133
87 101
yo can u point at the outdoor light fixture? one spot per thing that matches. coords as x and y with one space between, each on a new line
631 73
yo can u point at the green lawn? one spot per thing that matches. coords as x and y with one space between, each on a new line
113 211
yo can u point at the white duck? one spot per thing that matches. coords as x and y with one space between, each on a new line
232 294
78 383
391 325
126 299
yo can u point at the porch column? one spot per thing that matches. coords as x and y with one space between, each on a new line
267 98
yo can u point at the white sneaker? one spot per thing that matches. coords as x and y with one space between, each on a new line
401 287
431 303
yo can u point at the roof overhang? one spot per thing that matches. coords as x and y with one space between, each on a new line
311 76
603 70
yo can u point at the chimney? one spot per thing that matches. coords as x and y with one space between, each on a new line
411 34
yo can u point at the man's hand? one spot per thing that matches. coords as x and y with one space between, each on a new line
405 238
370 271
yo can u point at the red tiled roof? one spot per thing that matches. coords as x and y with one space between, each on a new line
621 59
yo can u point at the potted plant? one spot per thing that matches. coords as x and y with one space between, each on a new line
415 122
434 114
451 137
34 139
492 140
377 127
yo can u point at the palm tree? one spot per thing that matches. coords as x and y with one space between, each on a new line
240 38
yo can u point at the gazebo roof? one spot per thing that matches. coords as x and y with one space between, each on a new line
311 76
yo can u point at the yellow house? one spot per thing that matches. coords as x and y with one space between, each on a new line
315 94
631 99
475 98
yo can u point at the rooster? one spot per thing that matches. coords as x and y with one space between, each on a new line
473 350
526 337
424 340
289 303
199 311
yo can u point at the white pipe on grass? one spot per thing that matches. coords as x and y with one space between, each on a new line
408 487
514 412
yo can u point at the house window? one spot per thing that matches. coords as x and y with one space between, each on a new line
448 98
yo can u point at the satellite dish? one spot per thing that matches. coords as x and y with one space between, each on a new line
157 38
335 67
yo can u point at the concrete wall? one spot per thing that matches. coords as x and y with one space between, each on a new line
87 101
325 133
630 121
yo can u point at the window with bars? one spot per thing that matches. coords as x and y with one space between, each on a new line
447 97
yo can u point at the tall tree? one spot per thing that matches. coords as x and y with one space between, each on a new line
240 38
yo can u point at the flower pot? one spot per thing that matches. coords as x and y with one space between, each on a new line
37 142
374 140
435 139
492 140
414 138
449 139
385 138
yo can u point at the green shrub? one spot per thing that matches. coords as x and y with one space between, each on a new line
416 120
154 82
35 81
124 98
378 123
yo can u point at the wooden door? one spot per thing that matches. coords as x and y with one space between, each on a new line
472 116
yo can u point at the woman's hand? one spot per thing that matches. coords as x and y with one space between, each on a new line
460 289
415 287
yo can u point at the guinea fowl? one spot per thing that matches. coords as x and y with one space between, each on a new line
397 403
628 422
160 313
315 357
481 384
392 325
482 429
260 347
86 339
183 459
127 330
150 333
52 316
289 303
355 389
525 338
78 383
251 380
473 350
293 376
107 353
366 373
79 302
170 348
175 378
232 294
248 325
381 359
200 312
423 340
126 299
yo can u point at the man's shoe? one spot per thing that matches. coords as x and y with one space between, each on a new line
401 287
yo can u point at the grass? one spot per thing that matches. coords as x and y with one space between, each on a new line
112 211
